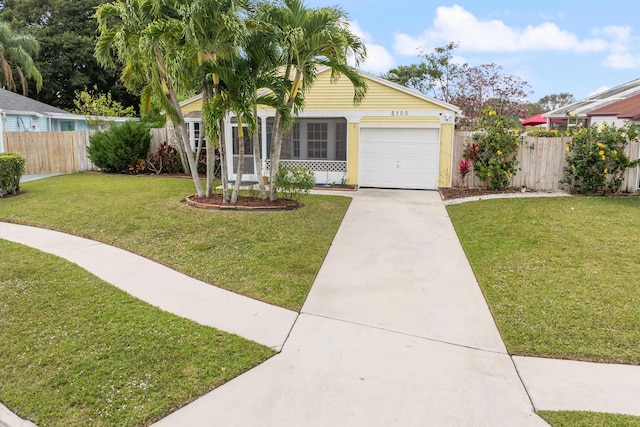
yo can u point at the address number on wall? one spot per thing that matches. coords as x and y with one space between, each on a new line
399 113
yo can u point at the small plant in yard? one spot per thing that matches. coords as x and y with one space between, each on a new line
596 159
294 181
11 170
165 159
464 168
493 152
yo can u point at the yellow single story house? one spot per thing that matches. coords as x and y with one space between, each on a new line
395 138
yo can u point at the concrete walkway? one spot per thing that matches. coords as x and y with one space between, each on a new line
395 331
163 287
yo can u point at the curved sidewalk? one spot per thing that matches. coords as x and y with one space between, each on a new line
395 331
163 287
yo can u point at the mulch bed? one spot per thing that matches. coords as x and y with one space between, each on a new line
459 193
336 187
244 203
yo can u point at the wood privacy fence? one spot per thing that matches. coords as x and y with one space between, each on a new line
541 162
59 152
50 152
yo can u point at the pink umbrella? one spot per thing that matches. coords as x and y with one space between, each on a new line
534 120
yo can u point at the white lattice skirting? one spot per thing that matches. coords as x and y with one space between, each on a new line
326 171
316 165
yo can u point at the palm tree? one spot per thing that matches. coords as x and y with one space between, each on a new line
213 29
16 57
146 37
244 83
310 39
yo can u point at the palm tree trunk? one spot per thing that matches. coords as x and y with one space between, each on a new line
172 138
257 160
257 165
211 153
278 135
181 131
276 148
223 163
236 187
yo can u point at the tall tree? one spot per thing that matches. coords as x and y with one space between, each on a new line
444 71
555 101
435 75
485 86
16 59
414 76
144 37
66 32
470 88
309 39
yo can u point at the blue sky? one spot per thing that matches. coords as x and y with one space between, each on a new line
555 46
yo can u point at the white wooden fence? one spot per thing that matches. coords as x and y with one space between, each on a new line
541 162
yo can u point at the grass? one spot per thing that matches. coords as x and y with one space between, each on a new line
77 351
589 419
270 256
559 274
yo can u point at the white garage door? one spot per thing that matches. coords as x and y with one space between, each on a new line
399 158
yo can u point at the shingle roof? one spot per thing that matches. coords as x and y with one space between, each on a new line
626 109
10 101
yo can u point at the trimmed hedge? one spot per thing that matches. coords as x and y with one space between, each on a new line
119 148
11 170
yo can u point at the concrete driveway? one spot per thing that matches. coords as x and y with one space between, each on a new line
395 331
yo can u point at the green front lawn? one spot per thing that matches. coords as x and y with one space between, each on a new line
588 419
270 256
75 351
559 274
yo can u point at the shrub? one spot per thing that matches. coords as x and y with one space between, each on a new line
552 133
165 159
596 161
11 170
493 152
119 148
294 181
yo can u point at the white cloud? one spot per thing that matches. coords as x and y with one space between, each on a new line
378 59
622 61
473 35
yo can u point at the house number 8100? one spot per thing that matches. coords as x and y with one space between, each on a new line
399 113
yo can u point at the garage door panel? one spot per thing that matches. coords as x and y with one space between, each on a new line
399 158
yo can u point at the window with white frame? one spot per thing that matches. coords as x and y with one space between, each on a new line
317 140
196 130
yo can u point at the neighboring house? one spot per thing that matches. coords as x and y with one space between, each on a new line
21 114
580 112
617 113
395 138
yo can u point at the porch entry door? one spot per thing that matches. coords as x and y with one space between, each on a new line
405 158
